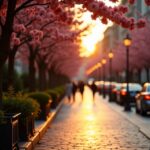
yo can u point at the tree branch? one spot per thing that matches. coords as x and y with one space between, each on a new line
51 45
47 24
26 5
23 5
31 21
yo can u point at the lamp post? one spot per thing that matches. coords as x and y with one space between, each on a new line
127 43
110 55
104 62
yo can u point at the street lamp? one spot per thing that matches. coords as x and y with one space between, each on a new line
104 62
127 43
110 55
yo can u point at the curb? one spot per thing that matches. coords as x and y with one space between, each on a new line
143 126
40 131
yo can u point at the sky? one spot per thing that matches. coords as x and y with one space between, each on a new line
95 34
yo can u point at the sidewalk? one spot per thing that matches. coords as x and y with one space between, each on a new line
142 122
85 125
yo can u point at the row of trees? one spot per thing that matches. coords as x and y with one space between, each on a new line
37 35
139 54
35 30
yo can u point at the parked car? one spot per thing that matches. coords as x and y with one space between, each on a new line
99 85
143 100
134 88
118 93
115 91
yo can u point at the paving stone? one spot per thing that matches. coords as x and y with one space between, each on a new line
92 126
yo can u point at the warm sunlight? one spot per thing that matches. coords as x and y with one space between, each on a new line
94 34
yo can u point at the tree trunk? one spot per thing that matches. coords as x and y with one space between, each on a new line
42 77
131 76
1 79
6 31
55 79
32 80
117 76
11 62
50 78
5 39
139 75
147 74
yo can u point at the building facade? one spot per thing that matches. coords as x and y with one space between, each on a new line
116 34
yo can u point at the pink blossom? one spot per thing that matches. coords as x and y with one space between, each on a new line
104 20
16 41
114 1
123 9
131 1
141 23
147 2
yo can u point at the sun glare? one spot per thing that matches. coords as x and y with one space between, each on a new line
94 33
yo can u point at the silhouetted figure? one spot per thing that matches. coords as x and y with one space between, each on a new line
93 88
74 89
69 91
81 88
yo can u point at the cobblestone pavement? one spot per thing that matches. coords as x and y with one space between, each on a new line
91 126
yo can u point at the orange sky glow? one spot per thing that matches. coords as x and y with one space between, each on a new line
94 34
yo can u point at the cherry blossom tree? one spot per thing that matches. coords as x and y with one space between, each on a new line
40 19
51 53
22 30
141 48
44 49
9 9
138 54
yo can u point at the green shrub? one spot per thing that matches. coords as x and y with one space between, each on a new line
60 89
21 104
41 97
54 94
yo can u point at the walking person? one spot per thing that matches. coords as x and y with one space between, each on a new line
74 89
69 91
81 88
94 89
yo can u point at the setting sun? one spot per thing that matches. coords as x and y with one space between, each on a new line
94 33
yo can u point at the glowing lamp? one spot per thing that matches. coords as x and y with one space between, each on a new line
103 61
127 41
99 65
110 55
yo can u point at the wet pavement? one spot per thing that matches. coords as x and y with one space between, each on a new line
88 125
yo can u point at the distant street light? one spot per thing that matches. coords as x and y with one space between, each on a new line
127 43
104 62
110 55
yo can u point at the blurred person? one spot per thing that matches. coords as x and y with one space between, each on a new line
81 88
94 89
69 91
74 89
